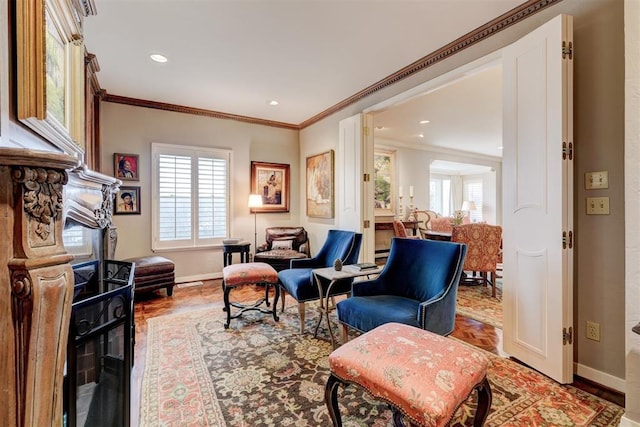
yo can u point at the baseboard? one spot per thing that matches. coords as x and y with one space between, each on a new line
600 377
626 422
196 277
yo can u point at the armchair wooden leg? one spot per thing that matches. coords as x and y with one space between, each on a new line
282 293
301 315
344 334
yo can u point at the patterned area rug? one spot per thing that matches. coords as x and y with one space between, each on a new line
263 373
476 302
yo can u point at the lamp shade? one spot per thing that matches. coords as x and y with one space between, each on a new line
468 205
255 201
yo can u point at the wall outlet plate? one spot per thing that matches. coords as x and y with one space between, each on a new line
592 331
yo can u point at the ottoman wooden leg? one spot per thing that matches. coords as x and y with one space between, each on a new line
484 403
276 288
227 306
331 400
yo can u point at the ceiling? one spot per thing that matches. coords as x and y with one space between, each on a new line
234 56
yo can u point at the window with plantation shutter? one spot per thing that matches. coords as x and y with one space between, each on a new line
191 196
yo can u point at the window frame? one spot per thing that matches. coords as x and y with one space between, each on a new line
194 152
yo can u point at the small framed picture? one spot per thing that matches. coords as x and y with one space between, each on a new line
125 166
127 201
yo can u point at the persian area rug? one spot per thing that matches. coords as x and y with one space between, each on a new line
476 302
264 373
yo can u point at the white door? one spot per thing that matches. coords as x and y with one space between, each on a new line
538 196
354 160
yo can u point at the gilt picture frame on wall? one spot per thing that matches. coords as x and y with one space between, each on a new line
320 185
383 179
127 201
50 73
126 166
271 181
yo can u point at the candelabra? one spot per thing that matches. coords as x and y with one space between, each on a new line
412 216
400 213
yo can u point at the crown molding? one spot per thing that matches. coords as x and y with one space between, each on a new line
194 111
481 33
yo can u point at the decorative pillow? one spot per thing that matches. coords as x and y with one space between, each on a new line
281 244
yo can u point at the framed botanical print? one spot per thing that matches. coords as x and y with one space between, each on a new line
384 172
271 181
320 185
127 201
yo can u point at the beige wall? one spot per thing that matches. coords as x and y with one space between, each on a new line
632 210
127 129
598 126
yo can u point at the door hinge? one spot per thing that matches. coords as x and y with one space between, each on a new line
567 240
366 177
567 335
567 151
366 224
567 50
365 130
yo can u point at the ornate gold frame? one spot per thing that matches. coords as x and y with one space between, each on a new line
40 23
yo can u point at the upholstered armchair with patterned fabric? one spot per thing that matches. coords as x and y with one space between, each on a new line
282 244
484 243
399 230
418 286
298 281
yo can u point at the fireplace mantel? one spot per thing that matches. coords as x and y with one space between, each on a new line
38 192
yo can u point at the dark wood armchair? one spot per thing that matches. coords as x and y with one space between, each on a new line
282 244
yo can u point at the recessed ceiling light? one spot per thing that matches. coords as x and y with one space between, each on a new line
421 135
424 122
272 102
380 127
158 58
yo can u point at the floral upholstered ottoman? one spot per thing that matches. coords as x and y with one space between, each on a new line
425 377
250 273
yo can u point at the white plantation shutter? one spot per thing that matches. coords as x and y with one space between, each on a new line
191 204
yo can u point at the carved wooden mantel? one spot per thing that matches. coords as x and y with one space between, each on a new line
36 287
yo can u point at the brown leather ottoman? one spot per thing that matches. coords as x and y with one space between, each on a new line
153 272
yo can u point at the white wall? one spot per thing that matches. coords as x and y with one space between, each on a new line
128 129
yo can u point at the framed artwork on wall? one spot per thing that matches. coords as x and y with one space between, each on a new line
383 190
127 201
320 182
271 181
125 166
50 72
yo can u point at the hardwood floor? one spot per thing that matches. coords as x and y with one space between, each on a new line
209 294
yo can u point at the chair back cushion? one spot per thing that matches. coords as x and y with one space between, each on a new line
483 245
341 244
285 238
422 269
398 228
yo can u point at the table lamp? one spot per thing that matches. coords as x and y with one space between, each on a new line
467 206
255 201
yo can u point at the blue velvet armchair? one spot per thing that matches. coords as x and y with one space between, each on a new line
418 286
298 281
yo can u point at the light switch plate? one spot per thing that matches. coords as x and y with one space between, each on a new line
596 180
597 206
